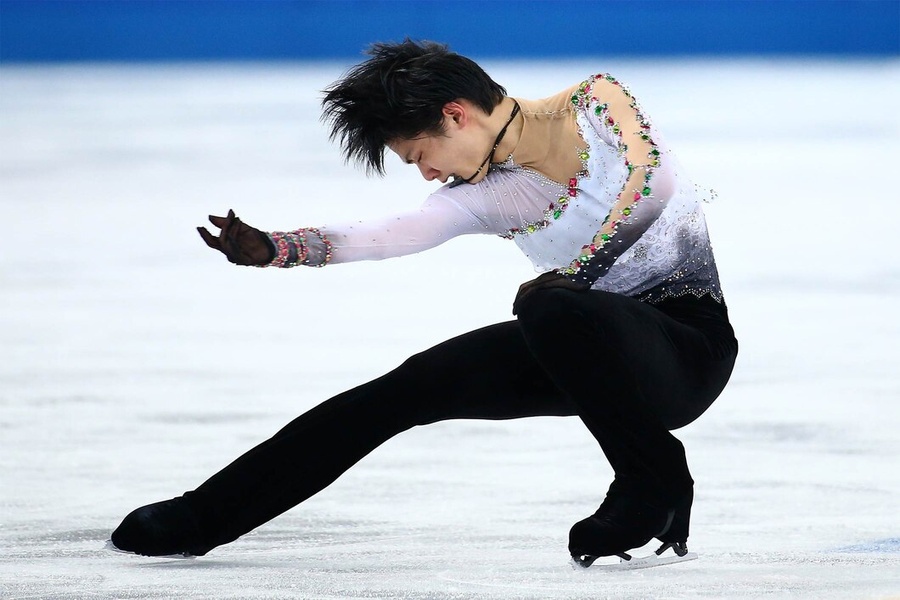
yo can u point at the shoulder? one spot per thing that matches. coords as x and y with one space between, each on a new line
557 105
571 99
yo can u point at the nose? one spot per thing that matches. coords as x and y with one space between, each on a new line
428 173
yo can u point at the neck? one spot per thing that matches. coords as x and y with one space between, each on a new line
503 120
513 132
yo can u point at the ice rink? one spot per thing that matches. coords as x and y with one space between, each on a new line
135 362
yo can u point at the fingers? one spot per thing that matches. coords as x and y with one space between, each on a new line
217 221
220 242
519 299
524 290
529 286
547 280
211 240
234 240
231 242
222 221
226 235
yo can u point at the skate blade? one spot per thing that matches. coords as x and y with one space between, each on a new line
110 546
636 562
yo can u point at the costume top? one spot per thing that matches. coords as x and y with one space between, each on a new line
590 191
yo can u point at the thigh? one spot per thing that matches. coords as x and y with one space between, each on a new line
684 372
488 373
622 350
484 374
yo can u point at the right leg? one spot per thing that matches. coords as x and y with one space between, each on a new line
635 371
485 374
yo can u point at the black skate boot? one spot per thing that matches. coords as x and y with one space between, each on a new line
164 528
677 534
627 520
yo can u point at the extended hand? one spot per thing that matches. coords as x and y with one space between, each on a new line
551 279
240 243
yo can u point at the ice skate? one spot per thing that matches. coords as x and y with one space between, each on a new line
625 521
666 554
168 528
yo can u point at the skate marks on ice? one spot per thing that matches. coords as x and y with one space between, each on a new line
366 559
887 545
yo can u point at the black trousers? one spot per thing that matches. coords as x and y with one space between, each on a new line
631 371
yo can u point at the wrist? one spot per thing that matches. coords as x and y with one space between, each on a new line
292 248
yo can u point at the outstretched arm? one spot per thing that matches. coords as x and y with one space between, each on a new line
436 221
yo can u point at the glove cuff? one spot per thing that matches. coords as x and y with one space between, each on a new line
296 247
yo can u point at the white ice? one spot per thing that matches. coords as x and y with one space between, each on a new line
135 362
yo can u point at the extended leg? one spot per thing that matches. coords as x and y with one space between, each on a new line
478 375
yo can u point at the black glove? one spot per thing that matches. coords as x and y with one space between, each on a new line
240 243
551 279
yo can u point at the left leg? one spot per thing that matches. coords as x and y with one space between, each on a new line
476 375
485 374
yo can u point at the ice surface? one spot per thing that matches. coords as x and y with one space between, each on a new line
134 362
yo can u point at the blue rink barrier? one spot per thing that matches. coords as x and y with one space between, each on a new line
165 30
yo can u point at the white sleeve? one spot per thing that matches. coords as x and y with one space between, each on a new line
439 219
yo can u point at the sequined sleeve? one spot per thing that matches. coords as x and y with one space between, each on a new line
613 117
439 219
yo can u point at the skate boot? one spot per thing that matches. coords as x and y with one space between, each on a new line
164 528
627 520
677 534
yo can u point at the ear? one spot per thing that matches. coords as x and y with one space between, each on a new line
456 112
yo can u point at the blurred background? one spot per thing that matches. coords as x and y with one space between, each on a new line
152 30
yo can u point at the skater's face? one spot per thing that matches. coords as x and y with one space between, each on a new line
456 152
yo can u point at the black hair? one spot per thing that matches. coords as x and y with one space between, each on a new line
399 93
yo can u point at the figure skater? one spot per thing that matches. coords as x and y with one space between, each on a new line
625 328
